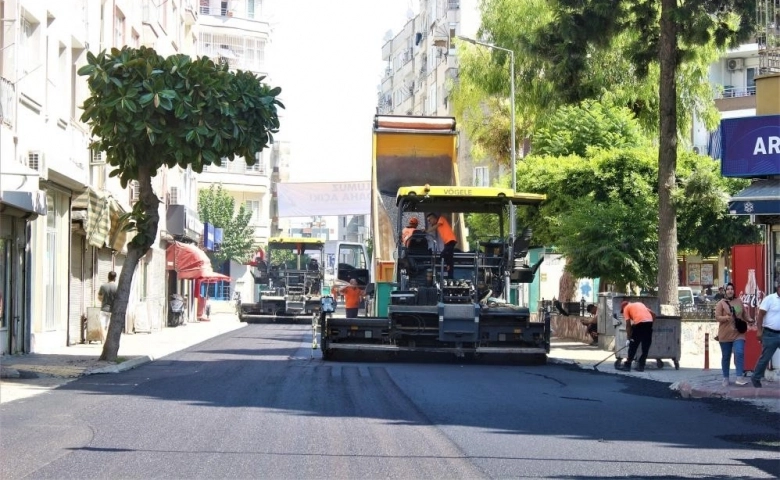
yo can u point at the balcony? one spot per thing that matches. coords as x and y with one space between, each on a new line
237 176
735 98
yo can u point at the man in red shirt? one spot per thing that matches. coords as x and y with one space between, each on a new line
639 329
439 225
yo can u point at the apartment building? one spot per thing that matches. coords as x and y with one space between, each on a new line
422 67
237 32
59 209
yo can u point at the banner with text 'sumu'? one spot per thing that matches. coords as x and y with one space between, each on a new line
326 199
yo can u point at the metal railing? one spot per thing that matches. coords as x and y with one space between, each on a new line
729 91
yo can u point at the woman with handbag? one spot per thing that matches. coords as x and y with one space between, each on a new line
732 319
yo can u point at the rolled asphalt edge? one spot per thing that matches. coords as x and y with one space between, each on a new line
23 376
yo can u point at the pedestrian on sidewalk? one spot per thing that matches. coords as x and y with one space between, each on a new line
729 308
639 329
592 323
106 296
768 324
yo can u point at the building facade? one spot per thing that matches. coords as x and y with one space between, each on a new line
422 67
60 233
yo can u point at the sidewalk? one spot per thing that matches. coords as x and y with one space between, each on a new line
691 380
26 375
22 376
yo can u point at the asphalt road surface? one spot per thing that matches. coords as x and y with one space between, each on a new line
255 403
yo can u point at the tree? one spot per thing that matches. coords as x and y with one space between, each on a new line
602 203
665 33
147 112
217 207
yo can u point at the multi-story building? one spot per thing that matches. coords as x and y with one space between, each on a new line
422 67
237 32
59 210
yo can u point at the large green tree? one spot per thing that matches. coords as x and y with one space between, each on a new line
600 177
218 207
663 34
148 112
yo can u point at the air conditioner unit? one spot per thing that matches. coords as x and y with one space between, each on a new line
35 160
735 64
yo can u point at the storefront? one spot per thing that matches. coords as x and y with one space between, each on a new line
17 211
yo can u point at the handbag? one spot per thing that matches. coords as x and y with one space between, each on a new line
739 324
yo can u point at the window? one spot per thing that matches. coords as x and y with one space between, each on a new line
28 51
204 7
253 9
254 207
119 29
750 80
481 177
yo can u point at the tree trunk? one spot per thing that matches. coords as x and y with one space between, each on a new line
567 287
667 156
135 251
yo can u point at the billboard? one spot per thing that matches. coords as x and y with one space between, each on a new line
750 146
326 199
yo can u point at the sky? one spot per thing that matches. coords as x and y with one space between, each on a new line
327 57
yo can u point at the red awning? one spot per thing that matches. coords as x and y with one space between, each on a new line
191 262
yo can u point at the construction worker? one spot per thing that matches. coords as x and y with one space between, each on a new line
441 227
352 295
409 230
639 329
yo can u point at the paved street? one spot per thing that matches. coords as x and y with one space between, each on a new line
253 401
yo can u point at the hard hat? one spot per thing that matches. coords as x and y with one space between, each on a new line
413 222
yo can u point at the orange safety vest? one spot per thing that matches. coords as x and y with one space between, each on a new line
351 296
637 312
444 230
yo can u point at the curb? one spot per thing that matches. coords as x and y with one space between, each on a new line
122 367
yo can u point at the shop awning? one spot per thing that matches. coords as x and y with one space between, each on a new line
760 198
191 262
33 203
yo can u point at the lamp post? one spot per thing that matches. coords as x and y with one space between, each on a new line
512 219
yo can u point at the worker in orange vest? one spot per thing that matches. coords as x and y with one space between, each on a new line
639 329
409 230
439 225
352 294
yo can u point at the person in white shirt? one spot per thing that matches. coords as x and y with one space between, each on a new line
768 323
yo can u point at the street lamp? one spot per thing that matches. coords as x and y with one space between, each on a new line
512 220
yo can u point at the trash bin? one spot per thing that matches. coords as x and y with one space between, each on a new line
666 341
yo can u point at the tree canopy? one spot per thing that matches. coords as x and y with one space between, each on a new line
147 112
218 207
650 56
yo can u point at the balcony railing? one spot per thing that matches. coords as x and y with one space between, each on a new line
734 92
239 166
7 104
